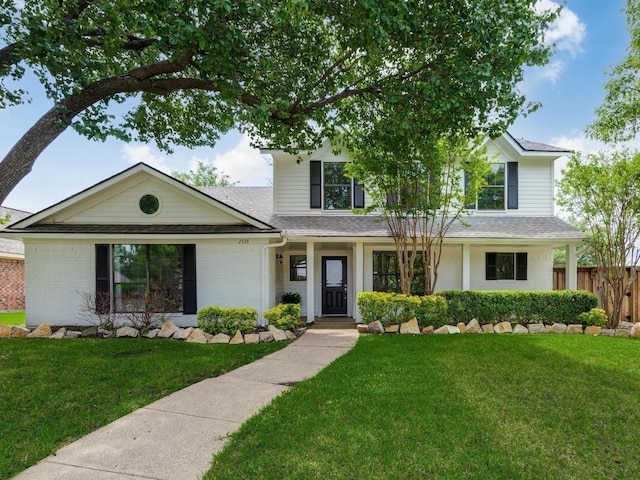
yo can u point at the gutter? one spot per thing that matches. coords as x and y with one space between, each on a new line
266 251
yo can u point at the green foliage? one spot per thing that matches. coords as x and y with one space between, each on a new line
291 297
618 117
285 316
396 308
601 192
595 317
205 175
215 320
521 306
289 72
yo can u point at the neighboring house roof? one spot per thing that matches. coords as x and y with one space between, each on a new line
258 202
13 248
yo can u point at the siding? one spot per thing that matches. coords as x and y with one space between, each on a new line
119 205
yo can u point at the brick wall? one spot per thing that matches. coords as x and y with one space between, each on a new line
11 284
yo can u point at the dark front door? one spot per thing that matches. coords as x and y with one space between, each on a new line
334 285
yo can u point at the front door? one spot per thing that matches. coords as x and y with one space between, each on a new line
334 285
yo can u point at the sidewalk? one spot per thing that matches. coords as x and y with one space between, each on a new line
175 437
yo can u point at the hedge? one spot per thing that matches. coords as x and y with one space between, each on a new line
214 320
517 306
285 316
395 308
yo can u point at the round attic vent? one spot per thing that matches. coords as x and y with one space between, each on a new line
149 204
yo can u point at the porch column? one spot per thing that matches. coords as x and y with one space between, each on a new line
571 268
359 279
466 266
310 282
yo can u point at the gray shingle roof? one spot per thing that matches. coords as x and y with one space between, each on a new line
254 201
530 146
150 229
14 247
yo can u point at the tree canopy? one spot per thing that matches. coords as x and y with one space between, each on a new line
288 72
205 175
602 192
618 118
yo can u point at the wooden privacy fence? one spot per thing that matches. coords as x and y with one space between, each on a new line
588 280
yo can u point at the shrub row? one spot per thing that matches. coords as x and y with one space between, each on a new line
216 320
394 308
562 306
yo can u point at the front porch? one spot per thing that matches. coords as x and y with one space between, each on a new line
338 323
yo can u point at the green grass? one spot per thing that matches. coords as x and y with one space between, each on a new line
55 391
453 407
12 318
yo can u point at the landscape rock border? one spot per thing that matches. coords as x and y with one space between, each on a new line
168 330
625 329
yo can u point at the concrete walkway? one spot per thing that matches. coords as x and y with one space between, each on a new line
176 437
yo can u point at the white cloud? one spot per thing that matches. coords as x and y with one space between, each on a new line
567 32
243 164
579 142
552 71
135 153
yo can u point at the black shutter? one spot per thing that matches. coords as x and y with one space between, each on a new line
189 300
512 185
102 299
521 266
491 266
316 183
471 206
358 194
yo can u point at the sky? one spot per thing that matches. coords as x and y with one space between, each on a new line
590 37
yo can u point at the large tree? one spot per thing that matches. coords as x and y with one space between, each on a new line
618 118
204 175
285 71
603 193
421 186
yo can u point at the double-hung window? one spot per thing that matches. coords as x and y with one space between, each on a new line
332 189
506 266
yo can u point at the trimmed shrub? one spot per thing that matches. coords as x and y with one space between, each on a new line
291 297
395 308
214 320
284 316
595 317
518 305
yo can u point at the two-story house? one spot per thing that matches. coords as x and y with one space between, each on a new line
142 230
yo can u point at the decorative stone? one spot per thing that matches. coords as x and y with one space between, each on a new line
625 324
452 330
19 331
60 333
488 328
473 327
197 336
410 328
290 335
428 330
72 334
547 328
5 331
635 331
622 332
462 327
503 327
376 327
558 328
251 338
537 328
442 330
167 329
362 328
265 337
127 332
278 335
104 333
574 328
91 332
592 330
392 329
608 332
220 338
182 333
151 333
237 338
520 329
42 331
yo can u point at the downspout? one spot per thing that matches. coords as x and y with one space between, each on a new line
266 250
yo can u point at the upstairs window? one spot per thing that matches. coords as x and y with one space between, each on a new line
337 186
492 196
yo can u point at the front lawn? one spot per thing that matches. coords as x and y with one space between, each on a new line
12 318
55 391
453 407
